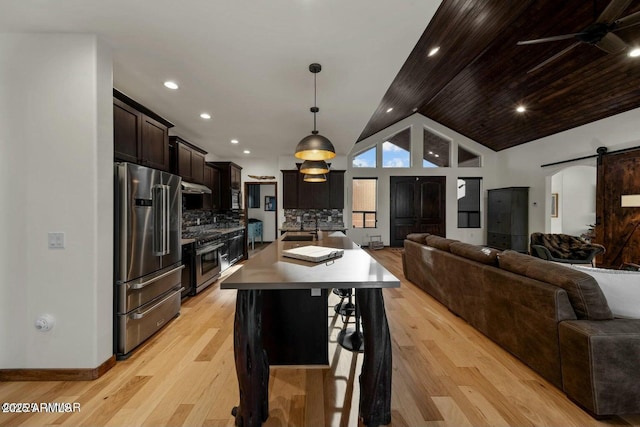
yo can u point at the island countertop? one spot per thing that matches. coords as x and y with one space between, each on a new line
269 269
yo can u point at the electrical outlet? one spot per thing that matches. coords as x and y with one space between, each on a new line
56 240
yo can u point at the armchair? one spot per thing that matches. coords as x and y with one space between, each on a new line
564 248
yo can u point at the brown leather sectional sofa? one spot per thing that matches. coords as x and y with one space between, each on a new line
553 318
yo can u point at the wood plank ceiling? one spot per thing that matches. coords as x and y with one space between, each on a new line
479 76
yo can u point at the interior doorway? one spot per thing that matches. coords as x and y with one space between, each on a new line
260 204
573 200
417 206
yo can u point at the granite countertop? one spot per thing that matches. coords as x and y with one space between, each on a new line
187 241
288 227
269 269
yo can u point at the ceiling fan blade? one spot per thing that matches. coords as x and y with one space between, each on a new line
613 10
611 43
628 21
550 39
553 58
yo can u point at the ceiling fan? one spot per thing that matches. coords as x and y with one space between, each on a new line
600 33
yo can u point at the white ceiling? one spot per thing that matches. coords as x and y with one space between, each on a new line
245 62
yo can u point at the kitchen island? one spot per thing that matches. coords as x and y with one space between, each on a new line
269 271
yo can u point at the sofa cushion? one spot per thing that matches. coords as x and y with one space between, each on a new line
417 237
514 262
438 242
476 253
585 295
621 289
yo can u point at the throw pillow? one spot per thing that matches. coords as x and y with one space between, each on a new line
438 242
621 289
480 254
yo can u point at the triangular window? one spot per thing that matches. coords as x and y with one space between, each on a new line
435 150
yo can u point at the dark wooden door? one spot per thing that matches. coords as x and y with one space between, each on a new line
617 227
417 206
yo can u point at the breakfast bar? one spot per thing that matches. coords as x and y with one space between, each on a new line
270 271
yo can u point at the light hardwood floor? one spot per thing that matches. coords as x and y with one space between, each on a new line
445 373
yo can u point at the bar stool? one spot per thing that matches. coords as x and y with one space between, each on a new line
352 339
344 308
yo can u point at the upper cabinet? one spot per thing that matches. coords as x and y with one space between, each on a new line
298 194
139 135
230 184
211 180
188 160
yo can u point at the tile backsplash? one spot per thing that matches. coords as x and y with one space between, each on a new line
330 218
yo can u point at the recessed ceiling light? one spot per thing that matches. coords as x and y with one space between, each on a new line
430 152
234 141
434 51
205 116
635 52
247 152
521 109
389 110
437 155
171 85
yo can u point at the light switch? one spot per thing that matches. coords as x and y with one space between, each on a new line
56 240
316 292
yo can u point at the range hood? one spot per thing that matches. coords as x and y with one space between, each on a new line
192 188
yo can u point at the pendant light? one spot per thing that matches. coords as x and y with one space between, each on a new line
315 146
314 167
315 178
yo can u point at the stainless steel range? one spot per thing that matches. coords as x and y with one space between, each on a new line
207 262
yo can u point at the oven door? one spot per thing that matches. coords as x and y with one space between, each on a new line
207 265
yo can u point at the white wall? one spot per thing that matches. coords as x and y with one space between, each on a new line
56 134
452 173
576 188
521 166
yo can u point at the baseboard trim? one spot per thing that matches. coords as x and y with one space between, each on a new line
57 374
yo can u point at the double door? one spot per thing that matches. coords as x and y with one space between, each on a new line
417 206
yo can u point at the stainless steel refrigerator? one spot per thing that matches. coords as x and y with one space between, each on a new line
147 253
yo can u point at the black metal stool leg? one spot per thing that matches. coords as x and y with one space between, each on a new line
352 339
344 308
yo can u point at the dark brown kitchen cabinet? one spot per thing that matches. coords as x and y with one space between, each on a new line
336 189
230 184
211 180
139 135
298 194
290 189
189 160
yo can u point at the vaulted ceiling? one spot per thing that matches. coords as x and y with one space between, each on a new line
247 65
480 74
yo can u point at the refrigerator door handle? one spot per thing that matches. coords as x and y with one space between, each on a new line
160 220
167 222
141 285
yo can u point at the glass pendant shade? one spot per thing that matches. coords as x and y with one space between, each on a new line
314 167
315 147
315 178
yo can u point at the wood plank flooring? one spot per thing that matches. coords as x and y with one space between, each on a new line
445 373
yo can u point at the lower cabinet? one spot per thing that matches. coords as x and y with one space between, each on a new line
233 249
294 326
